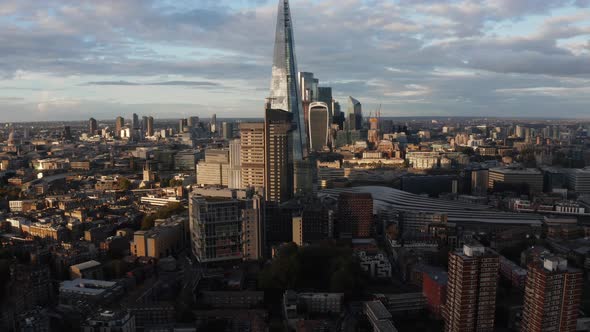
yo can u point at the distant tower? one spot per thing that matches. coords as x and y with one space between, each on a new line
193 121
150 127
67 133
182 125
355 114
92 126
471 290
119 124
213 124
319 124
135 121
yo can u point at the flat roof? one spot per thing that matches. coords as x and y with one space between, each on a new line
86 265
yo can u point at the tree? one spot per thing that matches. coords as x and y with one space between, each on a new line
124 184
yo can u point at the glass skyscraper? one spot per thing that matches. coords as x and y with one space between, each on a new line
284 89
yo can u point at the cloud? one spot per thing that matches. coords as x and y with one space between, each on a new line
414 56
166 83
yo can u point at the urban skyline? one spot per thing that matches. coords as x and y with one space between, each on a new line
471 59
318 214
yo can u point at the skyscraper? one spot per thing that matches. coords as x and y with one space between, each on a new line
193 121
67 133
284 89
119 124
354 118
135 121
471 290
252 154
92 126
150 126
182 124
319 124
213 124
144 121
552 296
278 180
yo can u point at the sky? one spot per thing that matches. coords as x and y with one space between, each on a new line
75 59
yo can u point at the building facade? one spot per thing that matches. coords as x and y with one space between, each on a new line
471 290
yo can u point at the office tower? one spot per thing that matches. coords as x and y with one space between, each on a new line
213 124
67 133
319 124
214 170
354 117
338 118
150 126
227 129
284 90
144 121
471 290
552 296
26 133
278 185
235 165
325 96
193 121
252 154
135 121
306 86
182 125
216 220
355 215
119 124
92 126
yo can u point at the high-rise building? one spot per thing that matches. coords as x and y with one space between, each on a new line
252 154
355 215
213 124
471 290
119 124
67 134
144 121
552 296
235 165
319 124
325 96
354 117
182 125
193 121
216 224
278 185
227 129
92 126
135 122
284 89
150 126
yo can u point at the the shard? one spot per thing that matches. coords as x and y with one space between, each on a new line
284 90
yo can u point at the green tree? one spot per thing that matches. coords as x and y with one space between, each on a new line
124 184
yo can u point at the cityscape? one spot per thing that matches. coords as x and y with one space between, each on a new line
315 213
